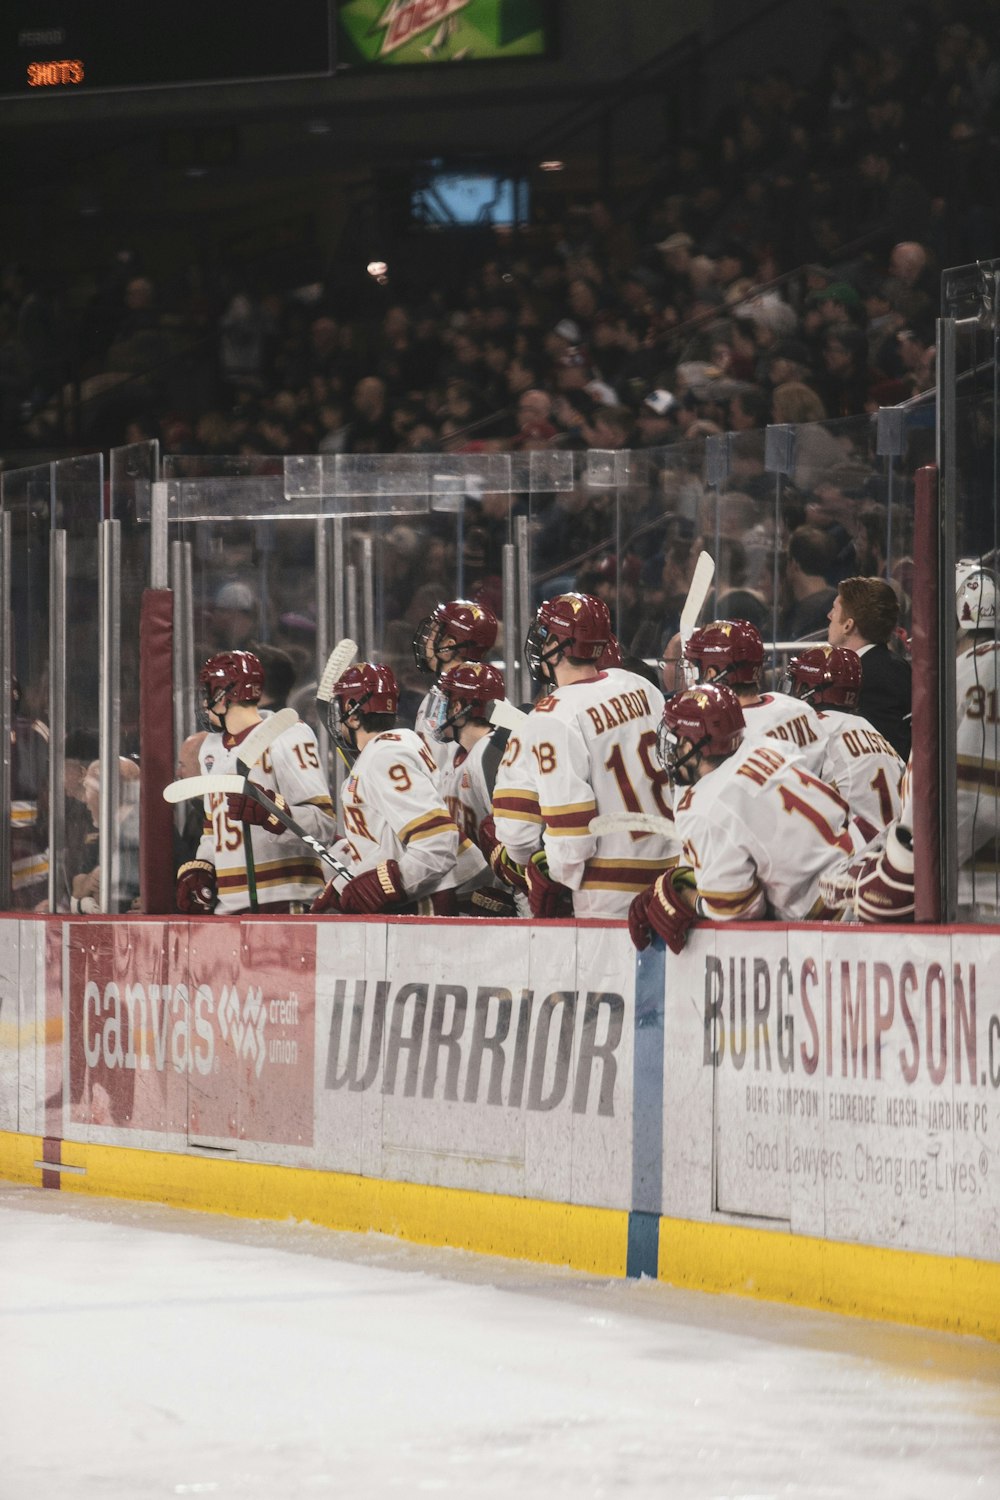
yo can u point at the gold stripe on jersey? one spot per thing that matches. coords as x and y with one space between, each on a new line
273 872
323 803
571 820
24 814
622 874
519 804
984 775
29 869
731 904
426 826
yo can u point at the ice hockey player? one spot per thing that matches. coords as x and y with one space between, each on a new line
757 829
401 841
858 762
246 859
460 630
732 651
458 717
588 749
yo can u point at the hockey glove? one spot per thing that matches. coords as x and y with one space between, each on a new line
877 885
248 810
504 868
195 893
639 929
328 900
546 897
374 890
670 907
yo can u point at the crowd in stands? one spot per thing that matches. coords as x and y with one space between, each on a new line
780 266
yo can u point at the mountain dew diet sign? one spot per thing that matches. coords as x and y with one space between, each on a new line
433 31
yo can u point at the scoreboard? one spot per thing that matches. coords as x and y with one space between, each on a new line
52 47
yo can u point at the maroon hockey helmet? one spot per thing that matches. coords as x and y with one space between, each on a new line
238 674
611 656
465 690
708 720
828 676
577 626
366 688
471 626
734 648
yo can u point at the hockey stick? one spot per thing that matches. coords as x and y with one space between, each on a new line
200 786
507 716
337 662
701 582
627 822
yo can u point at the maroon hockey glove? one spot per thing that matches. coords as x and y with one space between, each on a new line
196 891
638 919
876 885
668 912
374 890
327 901
504 868
248 810
546 897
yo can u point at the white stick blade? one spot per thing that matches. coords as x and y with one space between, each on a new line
337 663
201 786
507 716
701 582
632 823
264 736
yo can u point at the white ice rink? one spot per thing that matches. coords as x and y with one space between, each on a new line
146 1352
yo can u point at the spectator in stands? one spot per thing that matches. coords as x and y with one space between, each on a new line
812 555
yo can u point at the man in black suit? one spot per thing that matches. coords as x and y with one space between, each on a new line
862 618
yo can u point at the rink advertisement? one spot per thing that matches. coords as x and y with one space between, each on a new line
853 1087
508 1072
202 1032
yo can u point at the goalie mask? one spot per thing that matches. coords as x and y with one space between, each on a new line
228 678
975 596
460 630
465 691
705 720
575 626
733 648
825 676
366 688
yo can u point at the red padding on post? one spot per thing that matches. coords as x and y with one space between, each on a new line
925 756
156 735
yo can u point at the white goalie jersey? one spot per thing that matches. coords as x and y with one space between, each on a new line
392 809
978 759
758 832
284 869
588 748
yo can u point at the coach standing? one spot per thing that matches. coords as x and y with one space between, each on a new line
863 617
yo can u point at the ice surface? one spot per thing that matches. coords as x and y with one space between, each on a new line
146 1352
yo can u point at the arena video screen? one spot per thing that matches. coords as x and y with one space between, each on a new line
448 197
50 47
383 33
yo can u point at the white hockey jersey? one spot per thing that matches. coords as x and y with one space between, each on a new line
588 748
791 720
758 831
468 797
863 767
284 869
978 771
392 809
438 751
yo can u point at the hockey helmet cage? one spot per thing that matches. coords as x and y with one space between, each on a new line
474 686
237 674
708 719
734 648
827 676
975 595
473 628
573 625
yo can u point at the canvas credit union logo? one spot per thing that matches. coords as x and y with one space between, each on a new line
243 1023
